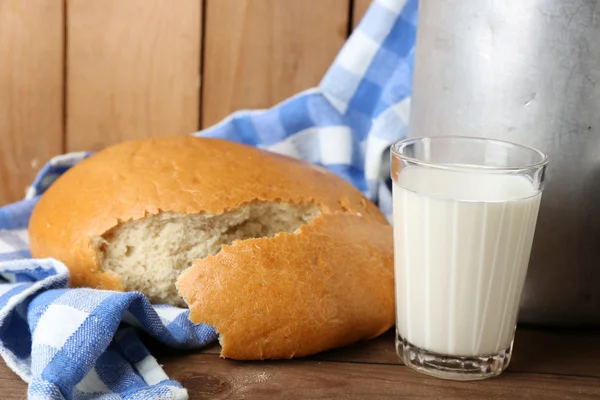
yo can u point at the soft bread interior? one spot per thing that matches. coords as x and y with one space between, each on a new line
149 254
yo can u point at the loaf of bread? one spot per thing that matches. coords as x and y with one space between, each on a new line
282 257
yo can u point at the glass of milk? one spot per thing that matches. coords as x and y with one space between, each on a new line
465 211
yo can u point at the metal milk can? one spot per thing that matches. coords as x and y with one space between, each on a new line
526 71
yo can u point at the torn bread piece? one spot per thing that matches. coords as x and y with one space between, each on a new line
149 253
136 215
173 181
328 284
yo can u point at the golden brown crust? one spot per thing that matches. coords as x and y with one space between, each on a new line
181 174
327 285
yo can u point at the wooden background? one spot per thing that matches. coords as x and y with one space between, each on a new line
84 74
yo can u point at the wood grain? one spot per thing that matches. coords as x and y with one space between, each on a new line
359 9
559 364
259 52
207 377
133 70
11 386
31 91
561 352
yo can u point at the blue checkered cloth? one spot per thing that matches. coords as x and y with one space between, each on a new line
83 343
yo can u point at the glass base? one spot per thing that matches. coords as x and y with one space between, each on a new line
458 368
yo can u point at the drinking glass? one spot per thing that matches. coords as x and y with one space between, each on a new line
465 212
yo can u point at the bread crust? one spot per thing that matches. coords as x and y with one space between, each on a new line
179 174
327 285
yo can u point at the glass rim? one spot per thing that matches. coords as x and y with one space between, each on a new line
397 146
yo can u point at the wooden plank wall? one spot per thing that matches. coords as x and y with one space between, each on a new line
276 49
133 70
31 85
84 74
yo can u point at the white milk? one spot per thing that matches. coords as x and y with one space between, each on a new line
462 245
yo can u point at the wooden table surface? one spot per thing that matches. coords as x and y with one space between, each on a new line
557 364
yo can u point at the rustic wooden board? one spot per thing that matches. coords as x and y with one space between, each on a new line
133 70
547 364
536 351
11 386
561 352
359 9
31 91
206 377
259 52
